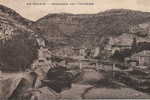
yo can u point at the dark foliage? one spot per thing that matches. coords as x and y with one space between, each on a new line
58 79
18 53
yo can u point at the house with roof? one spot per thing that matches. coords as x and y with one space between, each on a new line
79 51
143 57
119 43
123 42
140 59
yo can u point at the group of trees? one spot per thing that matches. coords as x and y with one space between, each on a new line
18 53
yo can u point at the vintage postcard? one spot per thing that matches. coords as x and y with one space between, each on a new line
74 49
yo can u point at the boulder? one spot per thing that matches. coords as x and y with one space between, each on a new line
13 88
7 87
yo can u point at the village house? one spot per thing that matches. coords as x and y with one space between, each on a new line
84 52
122 42
139 59
78 52
64 51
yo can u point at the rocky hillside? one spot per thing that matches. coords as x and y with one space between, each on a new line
82 30
17 43
91 30
13 15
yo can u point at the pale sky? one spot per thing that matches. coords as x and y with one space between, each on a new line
34 12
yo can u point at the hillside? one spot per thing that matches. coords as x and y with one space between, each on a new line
81 30
17 43
88 30
13 15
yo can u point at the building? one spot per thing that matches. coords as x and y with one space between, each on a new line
79 51
131 62
120 43
64 51
143 58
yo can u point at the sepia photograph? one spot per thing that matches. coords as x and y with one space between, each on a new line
74 49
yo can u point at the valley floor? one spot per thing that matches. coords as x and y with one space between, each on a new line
79 91
86 90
